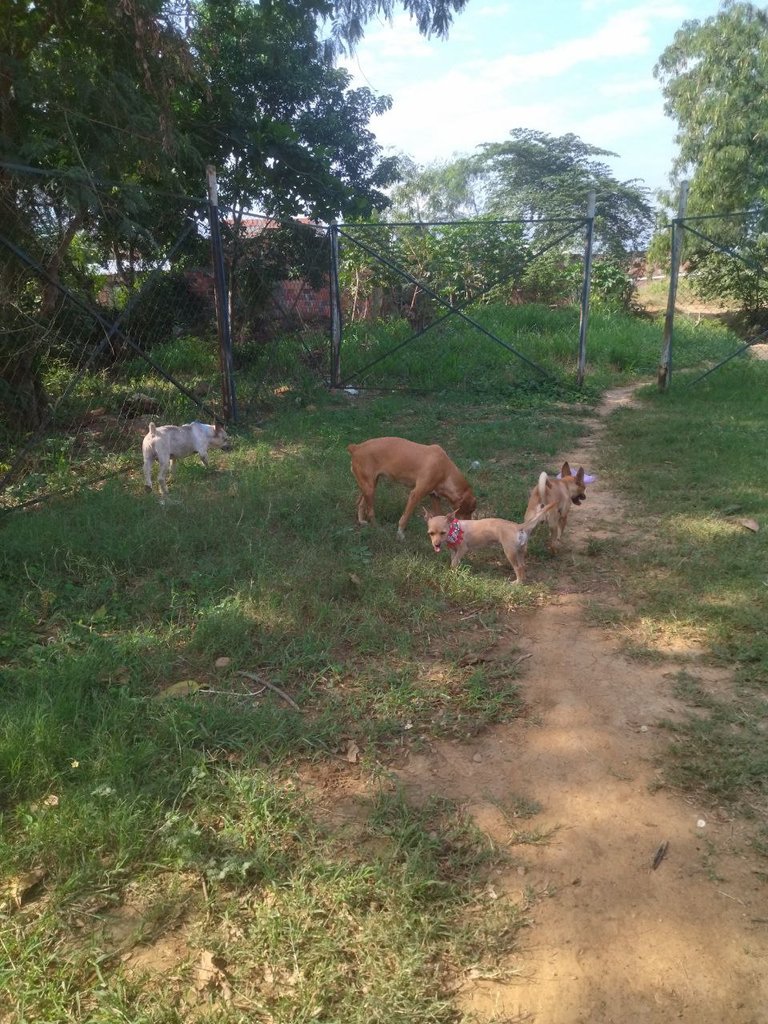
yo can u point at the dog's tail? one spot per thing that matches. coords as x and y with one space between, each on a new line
152 430
541 513
542 487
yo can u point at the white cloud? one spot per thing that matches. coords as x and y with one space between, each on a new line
588 72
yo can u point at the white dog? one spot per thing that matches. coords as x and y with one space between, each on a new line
166 444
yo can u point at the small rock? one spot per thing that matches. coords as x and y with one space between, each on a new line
478 758
701 823
222 662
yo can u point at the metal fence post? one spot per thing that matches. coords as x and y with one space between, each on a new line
335 299
584 314
664 375
228 398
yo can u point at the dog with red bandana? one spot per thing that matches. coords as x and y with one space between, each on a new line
462 535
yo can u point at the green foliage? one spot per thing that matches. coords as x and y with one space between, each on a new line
542 176
437 191
739 278
458 262
713 77
611 288
171 304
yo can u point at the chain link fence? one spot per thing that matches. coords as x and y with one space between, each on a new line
108 319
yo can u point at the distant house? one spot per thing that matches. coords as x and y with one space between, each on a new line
291 298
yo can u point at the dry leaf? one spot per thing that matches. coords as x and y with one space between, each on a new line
222 662
748 524
353 752
17 887
354 578
210 975
51 801
180 689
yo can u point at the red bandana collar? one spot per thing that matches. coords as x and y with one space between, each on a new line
455 534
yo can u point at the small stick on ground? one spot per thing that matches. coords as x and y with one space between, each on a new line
660 854
276 689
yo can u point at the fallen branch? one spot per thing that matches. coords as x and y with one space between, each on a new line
276 689
521 658
233 693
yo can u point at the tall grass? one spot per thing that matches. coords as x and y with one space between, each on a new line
457 355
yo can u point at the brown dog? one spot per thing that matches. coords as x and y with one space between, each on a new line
462 535
559 493
423 467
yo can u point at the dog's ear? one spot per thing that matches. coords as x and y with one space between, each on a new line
580 476
565 471
427 515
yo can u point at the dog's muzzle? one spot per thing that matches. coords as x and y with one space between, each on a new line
437 548
578 499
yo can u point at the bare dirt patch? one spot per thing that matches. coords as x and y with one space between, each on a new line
611 939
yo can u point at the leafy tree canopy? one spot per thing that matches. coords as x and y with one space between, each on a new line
532 175
714 78
151 91
541 176
437 191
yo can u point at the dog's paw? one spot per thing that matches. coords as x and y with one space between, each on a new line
400 534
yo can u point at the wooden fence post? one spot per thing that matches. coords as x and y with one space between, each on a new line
228 399
584 314
664 375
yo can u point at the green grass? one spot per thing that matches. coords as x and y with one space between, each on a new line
189 806
690 461
461 357
187 824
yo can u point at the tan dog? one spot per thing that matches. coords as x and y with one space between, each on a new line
164 445
423 467
462 535
561 492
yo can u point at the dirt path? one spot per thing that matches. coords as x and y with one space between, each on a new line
611 940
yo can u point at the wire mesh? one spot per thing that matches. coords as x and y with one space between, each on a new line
417 297
279 300
107 323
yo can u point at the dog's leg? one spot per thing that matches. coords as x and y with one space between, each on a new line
204 458
162 477
416 495
515 553
148 460
365 513
367 485
437 506
558 538
456 556
555 530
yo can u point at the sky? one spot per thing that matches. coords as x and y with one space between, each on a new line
584 67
